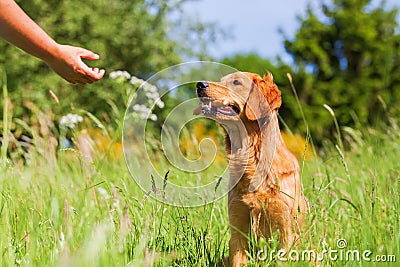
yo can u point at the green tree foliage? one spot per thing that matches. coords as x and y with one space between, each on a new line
137 36
352 57
251 62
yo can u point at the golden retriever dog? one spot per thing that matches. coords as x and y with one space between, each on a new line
265 191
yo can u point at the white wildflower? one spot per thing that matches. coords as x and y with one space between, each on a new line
141 108
159 103
153 96
70 120
153 117
150 88
144 112
143 115
136 81
120 73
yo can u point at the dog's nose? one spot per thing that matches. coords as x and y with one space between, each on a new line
201 87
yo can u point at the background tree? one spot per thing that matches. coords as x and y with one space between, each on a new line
351 53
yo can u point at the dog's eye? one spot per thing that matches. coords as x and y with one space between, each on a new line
236 82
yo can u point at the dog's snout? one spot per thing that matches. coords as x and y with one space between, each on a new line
201 87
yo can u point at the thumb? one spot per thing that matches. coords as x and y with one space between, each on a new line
87 54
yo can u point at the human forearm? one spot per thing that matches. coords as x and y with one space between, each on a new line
24 33
19 29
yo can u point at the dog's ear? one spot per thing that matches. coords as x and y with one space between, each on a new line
262 90
256 108
272 92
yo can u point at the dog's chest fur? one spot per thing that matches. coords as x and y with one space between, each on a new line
255 171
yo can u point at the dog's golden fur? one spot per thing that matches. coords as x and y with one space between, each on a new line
265 187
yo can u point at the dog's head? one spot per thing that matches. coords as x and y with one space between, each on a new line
239 96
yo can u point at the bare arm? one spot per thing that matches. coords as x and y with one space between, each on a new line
20 30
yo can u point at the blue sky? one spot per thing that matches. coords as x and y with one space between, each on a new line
254 24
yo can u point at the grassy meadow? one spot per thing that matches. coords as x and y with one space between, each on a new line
65 211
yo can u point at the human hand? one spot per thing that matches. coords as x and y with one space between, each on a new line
67 62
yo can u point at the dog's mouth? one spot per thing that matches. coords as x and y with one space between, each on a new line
211 107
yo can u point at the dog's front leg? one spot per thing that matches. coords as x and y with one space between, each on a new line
239 218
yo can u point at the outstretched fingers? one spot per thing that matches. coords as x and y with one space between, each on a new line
93 74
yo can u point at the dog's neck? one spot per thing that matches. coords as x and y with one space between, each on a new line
248 136
251 150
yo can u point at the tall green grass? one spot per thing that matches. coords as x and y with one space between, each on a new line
81 214
5 122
